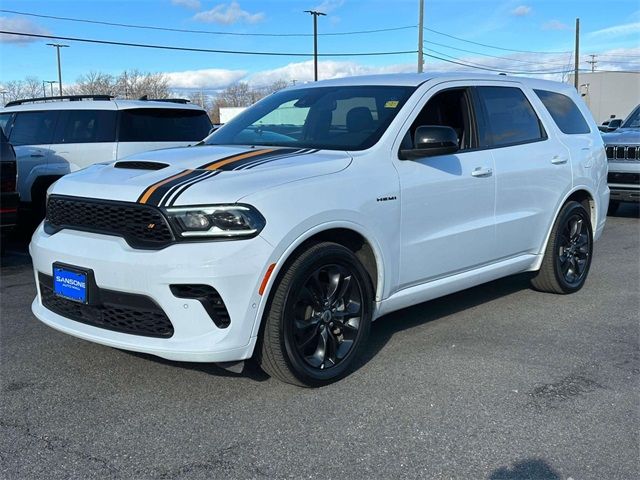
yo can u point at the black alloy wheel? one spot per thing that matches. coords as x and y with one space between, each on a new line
574 250
318 317
567 257
326 316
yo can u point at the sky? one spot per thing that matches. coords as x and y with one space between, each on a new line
532 36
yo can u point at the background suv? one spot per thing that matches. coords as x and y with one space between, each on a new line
319 209
623 153
58 135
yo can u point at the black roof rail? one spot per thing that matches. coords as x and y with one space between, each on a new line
71 98
169 100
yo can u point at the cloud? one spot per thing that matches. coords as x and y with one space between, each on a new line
521 11
617 30
555 25
210 78
327 69
192 4
328 6
228 14
20 25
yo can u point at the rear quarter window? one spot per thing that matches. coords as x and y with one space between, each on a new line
163 125
564 111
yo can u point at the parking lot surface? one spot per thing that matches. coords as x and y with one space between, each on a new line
497 382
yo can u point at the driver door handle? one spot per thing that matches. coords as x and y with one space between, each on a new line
482 172
559 160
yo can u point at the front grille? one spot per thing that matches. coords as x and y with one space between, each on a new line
117 311
624 178
142 226
208 297
623 152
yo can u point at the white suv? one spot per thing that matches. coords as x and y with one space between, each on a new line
58 135
320 209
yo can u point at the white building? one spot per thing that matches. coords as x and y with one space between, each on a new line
609 93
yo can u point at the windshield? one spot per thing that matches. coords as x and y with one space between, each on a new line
333 118
633 121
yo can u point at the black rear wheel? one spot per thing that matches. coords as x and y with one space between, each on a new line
567 257
318 318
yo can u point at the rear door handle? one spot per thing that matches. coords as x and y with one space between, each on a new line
482 172
37 155
558 160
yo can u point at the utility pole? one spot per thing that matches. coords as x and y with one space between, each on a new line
44 90
3 93
58 47
420 35
576 81
315 14
593 62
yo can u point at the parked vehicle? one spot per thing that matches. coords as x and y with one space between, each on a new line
282 239
623 154
58 135
610 125
8 185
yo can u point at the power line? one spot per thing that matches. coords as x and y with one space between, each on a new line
490 69
490 46
206 32
206 50
491 56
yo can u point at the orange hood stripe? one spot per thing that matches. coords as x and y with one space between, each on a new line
149 191
242 156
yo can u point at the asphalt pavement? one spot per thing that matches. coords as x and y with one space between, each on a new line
497 382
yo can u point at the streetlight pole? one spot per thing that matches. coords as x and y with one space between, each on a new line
420 33
58 47
50 82
315 14
3 93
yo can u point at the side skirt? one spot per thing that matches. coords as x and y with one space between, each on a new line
454 283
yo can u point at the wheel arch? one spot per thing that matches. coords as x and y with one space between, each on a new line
580 194
350 235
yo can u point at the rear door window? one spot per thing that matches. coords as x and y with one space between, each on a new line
33 128
5 122
163 125
511 119
87 126
564 112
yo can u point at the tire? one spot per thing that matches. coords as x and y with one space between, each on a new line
567 258
312 337
613 207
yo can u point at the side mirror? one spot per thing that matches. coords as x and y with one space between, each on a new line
432 140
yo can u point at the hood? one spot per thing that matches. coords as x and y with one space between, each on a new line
199 175
622 136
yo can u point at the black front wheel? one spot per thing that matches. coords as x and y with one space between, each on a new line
567 257
318 318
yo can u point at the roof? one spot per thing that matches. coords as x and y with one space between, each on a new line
101 104
415 79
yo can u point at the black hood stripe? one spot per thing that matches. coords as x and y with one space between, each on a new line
187 179
184 187
158 194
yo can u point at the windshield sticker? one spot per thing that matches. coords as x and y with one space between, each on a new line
391 104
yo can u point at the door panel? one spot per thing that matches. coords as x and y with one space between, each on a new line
532 169
447 216
447 201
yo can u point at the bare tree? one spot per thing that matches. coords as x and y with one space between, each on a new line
94 83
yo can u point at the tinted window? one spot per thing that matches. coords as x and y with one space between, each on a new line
511 118
163 125
88 126
334 118
33 128
633 120
564 112
5 122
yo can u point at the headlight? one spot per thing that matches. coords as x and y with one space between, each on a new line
216 221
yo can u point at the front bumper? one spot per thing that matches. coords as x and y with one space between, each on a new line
234 268
624 181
